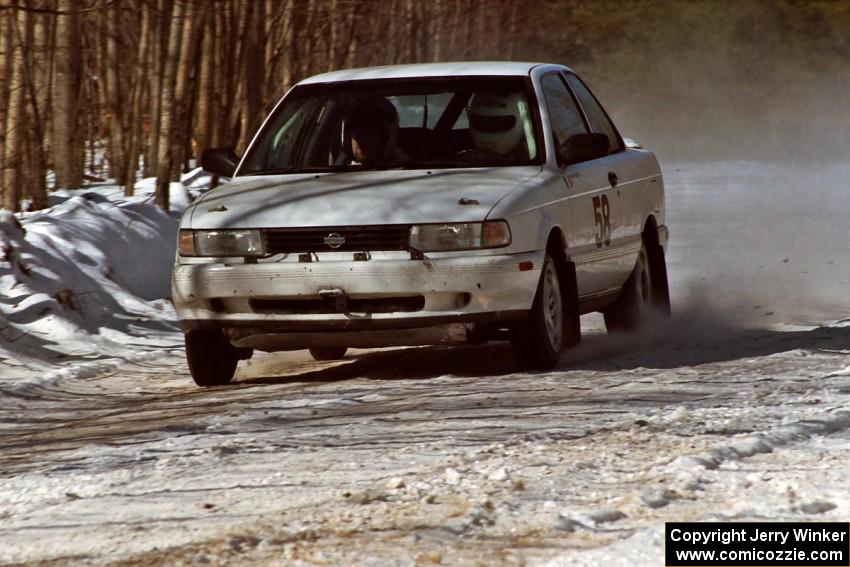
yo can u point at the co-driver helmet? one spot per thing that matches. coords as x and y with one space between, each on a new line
495 121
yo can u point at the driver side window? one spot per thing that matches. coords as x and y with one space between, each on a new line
599 121
563 113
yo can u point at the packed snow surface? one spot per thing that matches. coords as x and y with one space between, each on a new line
734 410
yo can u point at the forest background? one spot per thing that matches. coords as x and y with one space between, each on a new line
114 88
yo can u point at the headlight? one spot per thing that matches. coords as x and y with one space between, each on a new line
221 243
459 236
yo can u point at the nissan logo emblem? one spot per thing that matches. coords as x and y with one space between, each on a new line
334 240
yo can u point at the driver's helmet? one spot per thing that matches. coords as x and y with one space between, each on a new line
495 121
374 123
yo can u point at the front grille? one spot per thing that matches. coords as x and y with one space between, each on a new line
357 239
406 304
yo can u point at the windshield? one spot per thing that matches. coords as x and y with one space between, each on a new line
403 124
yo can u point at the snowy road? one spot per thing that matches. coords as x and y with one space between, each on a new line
736 409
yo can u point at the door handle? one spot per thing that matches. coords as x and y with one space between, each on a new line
612 178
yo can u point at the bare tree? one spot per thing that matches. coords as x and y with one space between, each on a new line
162 80
16 114
193 23
5 71
353 42
65 99
115 104
205 119
438 35
251 73
168 107
160 28
31 33
135 131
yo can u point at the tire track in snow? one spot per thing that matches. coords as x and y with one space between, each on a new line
396 413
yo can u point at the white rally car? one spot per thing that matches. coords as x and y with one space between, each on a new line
417 205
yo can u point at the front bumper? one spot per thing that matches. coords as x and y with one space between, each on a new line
460 289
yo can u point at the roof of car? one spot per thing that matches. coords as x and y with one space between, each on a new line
453 69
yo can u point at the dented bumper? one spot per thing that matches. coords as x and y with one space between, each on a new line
353 296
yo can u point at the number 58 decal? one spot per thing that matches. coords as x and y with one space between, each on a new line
602 219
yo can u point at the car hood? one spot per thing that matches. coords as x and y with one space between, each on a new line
356 198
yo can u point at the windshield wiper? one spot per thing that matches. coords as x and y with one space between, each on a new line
381 166
293 169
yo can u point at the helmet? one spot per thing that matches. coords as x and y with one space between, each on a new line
495 121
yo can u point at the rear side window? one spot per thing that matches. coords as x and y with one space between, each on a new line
599 121
563 113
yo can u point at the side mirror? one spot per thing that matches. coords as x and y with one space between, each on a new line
220 161
583 147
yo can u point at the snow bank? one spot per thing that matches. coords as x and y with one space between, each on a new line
85 281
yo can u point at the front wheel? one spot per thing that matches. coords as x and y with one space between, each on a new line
537 342
212 359
328 353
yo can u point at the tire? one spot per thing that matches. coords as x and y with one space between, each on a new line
212 359
645 295
660 288
537 342
328 353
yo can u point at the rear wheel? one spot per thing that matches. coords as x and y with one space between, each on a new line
328 353
658 271
537 342
212 359
645 294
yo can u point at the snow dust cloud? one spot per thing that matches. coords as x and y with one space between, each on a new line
712 80
745 105
759 244
754 247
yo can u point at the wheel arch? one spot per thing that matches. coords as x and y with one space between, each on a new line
658 264
556 244
650 231
557 248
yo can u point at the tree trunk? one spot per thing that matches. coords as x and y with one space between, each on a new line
206 91
16 117
41 62
438 19
168 108
5 72
410 30
289 41
352 49
33 169
65 99
227 54
274 30
333 41
512 8
159 41
192 24
114 99
251 100
307 42
135 131
239 19
453 18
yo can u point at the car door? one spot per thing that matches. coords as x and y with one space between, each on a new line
589 193
624 216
